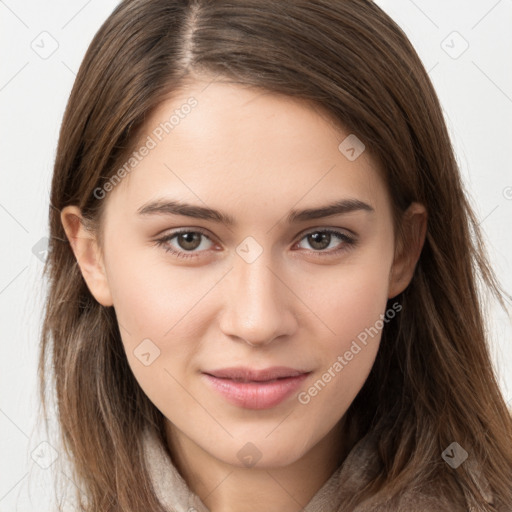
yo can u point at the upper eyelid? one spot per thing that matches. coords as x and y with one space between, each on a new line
302 234
307 231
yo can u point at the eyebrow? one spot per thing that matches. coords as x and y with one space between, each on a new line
175 207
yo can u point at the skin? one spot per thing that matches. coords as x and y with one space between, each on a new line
255 156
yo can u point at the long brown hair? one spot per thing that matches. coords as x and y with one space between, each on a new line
432 382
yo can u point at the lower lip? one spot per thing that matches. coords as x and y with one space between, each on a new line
256 395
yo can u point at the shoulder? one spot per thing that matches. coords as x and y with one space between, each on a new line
437 492
416 499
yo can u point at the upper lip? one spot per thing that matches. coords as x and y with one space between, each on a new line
248 374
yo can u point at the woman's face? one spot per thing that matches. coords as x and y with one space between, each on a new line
266 290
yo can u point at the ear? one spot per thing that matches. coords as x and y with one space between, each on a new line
87 253
408 249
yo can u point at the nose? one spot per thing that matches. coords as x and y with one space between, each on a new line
258 305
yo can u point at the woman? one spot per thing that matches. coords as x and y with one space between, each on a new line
263 270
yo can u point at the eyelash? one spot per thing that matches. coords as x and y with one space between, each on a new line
163 242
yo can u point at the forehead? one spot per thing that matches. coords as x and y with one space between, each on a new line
226 144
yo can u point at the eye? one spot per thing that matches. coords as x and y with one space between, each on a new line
322 239
187 241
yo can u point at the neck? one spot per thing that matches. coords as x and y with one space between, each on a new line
225 487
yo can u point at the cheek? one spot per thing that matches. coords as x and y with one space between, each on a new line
352 298
151 298
347 359
351 307
157 310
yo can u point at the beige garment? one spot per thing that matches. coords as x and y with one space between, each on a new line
358 468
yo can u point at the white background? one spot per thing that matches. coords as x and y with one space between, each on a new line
475 90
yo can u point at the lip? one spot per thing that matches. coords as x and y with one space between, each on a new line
249 374
255 389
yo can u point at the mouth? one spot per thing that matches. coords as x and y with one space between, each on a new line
245 374
247 380
255 389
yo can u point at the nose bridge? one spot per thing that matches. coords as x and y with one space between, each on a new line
257 308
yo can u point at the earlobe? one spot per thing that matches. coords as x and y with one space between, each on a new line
87 253
409 249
